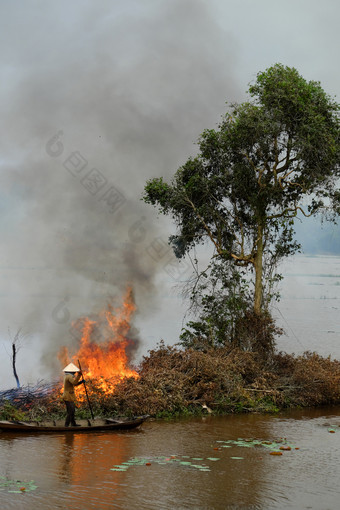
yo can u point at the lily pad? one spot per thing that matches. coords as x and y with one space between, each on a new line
251 443
18 486
162 460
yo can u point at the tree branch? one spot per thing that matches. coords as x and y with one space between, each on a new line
205 226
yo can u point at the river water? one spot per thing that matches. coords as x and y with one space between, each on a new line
309 307
189 463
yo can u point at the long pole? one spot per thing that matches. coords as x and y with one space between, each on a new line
88 400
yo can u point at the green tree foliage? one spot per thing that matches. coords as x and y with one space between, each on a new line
252 176
222 297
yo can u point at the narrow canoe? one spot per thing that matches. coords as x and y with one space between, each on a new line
84 425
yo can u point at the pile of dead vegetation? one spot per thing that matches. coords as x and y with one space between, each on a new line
26 395
175 381
226 380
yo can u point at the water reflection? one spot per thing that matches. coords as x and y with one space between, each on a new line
66 465
228 483
74 470
85 463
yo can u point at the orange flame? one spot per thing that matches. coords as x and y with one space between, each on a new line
104 342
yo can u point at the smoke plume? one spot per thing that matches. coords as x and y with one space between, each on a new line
96 99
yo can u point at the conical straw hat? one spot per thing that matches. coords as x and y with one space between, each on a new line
71 368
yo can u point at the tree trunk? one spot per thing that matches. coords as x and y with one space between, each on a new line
258 266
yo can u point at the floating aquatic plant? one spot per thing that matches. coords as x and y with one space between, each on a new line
276 445
18 486
276 448
183 460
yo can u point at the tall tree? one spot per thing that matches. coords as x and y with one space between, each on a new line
271 157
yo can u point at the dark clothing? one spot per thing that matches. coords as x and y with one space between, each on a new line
71 409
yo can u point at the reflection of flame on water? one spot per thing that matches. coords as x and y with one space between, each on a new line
104 344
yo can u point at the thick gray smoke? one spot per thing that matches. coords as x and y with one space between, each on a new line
96 97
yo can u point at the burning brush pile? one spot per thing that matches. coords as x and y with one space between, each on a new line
171 380
106 343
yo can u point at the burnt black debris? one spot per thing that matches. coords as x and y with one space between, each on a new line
26 395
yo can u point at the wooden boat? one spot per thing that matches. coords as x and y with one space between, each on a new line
84 425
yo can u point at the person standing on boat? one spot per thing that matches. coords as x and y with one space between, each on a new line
71 379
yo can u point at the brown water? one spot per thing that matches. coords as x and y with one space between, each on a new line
74 470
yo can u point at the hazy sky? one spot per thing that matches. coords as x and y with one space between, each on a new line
96 98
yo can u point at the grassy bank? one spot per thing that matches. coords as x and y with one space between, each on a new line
176 382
